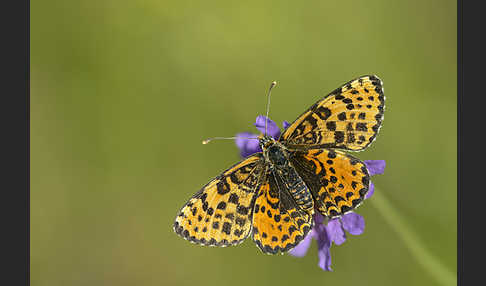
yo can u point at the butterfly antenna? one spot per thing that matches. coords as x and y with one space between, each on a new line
268 104
225 138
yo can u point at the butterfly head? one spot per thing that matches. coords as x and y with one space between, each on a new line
265 141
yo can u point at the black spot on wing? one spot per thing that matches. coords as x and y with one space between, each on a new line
221 206
342 116
339 136
331 125
227 228
323 112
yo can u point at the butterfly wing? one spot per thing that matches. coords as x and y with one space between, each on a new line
279 224
338 181
348 118
221 212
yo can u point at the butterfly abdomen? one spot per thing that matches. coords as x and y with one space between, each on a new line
302 196
296 187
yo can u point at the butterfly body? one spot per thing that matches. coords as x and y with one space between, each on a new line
277 160
272 195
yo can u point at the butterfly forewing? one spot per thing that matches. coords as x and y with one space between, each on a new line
348 118
338 181
221 212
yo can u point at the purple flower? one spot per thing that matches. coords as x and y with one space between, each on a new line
251 146
324 233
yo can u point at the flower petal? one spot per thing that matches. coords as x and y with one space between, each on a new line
325 259
353 223
318 219
335 231
285 124
323 242
375 167
301 248
241 139
324 253
247 146
272 128
371 191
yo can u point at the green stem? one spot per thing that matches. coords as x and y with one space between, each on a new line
412 241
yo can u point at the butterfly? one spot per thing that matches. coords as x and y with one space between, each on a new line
273 195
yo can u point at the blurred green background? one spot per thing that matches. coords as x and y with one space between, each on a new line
123 92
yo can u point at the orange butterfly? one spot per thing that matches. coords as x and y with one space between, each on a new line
272 195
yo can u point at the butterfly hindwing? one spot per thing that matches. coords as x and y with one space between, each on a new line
278 222
348 118
337 181
221 212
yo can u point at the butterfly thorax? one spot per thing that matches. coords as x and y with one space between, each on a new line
274 152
